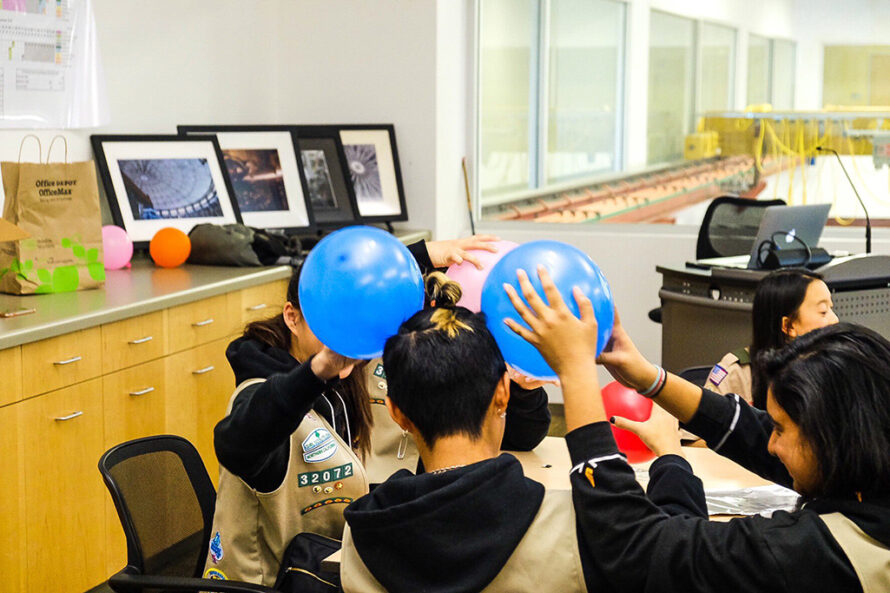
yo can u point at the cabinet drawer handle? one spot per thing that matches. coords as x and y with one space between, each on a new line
70 416
141 340
142 391
203 323
206 369
68 361
259 307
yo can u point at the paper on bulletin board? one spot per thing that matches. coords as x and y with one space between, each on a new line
50 71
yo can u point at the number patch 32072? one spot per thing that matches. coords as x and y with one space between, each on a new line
324 476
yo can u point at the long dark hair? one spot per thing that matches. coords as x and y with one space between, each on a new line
443 366
778 295
275 332
834 383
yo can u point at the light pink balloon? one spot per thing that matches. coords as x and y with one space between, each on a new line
116 246
472 279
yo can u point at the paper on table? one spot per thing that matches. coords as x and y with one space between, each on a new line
759 500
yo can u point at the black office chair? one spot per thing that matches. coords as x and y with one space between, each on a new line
165 501
729 228
697 375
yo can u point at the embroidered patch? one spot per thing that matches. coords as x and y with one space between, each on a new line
324 476
319 446
326 502
378 372
378 401
718 373
588 473
215 574
216 549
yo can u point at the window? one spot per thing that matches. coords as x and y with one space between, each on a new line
550 92
758 70
783 75
717 68
671 85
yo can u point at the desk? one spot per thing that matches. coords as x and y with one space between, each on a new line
549 464
707 313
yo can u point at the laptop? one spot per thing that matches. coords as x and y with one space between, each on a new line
786 225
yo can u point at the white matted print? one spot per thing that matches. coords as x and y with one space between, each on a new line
372 171
262 168
167 183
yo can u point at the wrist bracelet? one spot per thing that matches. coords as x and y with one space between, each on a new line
664 381
656 386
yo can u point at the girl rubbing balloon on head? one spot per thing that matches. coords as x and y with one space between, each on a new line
826 433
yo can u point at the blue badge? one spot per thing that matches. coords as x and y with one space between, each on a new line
215 574
216 550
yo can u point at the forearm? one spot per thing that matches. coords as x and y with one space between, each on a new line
422 256
582 397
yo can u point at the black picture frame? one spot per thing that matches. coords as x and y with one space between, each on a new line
275 200
386 201
187 158
323 163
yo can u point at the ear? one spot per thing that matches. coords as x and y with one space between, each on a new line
399 418
292 317
788 327
502 393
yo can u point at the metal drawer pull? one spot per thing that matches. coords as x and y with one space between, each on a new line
259 307
206 369
141 340
70 416
203 323
68 361
142 391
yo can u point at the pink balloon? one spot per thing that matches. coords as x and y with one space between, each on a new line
472 279
117 247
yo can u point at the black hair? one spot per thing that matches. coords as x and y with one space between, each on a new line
274 332
834 383
442 369
780 294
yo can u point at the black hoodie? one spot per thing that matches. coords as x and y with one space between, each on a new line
455 531
253 442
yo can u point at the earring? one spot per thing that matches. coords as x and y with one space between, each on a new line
502 413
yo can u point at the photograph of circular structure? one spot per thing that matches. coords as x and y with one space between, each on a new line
170 188
364 172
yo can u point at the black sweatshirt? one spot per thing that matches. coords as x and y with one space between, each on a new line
455 531
637 548
253 441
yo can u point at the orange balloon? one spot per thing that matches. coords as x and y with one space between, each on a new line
170 247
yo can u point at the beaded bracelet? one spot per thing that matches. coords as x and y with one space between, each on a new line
656 386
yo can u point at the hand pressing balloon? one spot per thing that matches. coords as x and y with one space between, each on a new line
525 381
659 433
471 278
627 405
456 251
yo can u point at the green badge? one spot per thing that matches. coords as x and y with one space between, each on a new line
324 476
378 372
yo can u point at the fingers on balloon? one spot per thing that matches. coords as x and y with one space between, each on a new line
585 307
528 291
519 330
472 259
521 308
550 290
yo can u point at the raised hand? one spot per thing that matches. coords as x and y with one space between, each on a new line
456 251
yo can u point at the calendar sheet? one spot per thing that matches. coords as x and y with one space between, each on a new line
50 72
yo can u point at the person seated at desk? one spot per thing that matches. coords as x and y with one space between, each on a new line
473 522
826 433
787 304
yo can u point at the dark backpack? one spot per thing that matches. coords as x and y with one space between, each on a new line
301 571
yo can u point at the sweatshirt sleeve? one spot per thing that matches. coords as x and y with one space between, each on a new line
253 441
675 489
528 418
422 256
739 432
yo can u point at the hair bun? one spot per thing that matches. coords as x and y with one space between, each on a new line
442 290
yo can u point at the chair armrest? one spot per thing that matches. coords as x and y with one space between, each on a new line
127 582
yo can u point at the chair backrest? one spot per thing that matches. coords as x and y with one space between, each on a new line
696 375
165 501
730 226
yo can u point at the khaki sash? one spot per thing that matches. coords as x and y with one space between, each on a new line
546 559
323 477
869 557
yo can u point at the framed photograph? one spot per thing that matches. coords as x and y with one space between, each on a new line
158 181
323 163
266 179
374 171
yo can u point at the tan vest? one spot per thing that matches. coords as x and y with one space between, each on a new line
730 375
252 529
869 557
392 449
546 558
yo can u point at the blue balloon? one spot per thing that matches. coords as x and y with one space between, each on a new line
357 286
568 267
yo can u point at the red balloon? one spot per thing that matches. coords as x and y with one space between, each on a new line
619 400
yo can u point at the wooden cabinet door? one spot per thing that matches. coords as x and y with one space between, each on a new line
200 383
61 361
64 493
134 403
131 341
263 301
11 386
12 502
198 323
